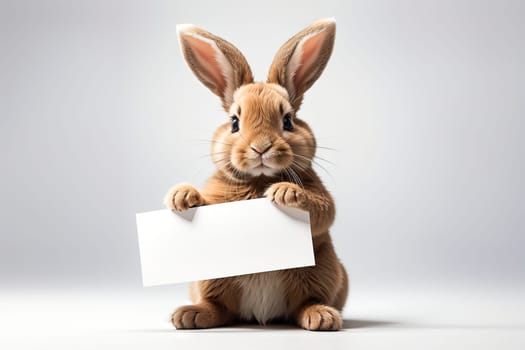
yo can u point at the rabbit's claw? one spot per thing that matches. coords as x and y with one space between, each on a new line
287 194
182 197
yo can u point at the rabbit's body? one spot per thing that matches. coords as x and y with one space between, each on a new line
267 296
265 151
277 294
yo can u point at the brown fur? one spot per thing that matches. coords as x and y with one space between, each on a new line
314 295
242 72
279 75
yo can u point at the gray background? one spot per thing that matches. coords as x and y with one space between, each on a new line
423 101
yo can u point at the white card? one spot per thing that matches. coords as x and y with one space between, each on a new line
222 240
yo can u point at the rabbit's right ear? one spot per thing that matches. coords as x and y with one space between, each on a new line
218 64
302 59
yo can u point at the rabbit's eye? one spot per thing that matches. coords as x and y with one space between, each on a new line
235 124
287 122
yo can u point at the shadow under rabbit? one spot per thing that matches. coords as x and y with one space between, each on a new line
348 324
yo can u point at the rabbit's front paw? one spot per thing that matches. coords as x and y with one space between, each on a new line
287 194
183 197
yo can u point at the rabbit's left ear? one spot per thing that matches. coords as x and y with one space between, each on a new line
302 59
217 64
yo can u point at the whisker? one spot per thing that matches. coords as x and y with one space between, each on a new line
212 154
288 175
300 182
229 185
328 148
222 160
227 192
244 139
318 164
211 141
320 158
315 157
323 159
325 170
320 147
325 138
301 156
235 179
299 166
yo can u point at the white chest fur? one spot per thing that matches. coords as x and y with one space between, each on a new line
262 297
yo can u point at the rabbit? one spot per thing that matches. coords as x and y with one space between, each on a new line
265 150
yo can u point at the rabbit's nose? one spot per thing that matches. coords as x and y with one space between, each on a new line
261 148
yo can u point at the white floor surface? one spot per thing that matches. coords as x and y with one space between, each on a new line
466 319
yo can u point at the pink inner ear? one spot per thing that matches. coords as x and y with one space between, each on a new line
205 54
310 50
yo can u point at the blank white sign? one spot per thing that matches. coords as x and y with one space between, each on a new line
222 240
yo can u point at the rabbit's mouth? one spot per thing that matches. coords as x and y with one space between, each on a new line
256 160
263 169
264 165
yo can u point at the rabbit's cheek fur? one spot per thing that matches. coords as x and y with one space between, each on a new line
240 160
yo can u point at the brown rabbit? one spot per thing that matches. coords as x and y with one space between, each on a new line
262 145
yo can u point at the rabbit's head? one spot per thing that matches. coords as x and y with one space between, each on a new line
263 135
